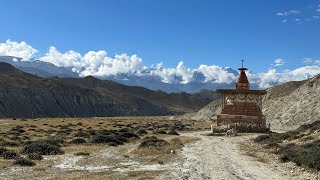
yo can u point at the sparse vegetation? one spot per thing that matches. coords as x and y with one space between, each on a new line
43 148
305 154
154 143
173 132
23 162
82 154
9 155
35 156
78 141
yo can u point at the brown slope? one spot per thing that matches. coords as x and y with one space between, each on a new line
181 102
22 93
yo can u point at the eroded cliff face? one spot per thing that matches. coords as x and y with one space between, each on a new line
286 106
289 105
23 94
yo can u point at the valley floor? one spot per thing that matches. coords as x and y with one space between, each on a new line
211 157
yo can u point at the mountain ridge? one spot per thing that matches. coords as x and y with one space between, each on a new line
23 94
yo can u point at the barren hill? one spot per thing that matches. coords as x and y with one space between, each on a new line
286 106
292 104
23 94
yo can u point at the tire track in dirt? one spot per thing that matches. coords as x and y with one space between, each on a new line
215 157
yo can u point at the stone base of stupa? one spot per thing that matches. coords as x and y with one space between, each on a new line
242 123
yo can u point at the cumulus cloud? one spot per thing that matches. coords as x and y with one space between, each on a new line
100 64
279 62
68 59
17 49
216 74
272 77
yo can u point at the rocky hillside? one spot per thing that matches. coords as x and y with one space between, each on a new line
292 104
286 106
24 95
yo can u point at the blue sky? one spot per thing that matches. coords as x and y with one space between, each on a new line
213 32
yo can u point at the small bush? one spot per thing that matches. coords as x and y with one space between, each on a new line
104 139
9 144
216 134
35 156
2 150
112 144
173 132
129 135
23 162
159 132
261 138
82 134
78 141
42 148
141 132
152 143
9 155
51 141
272 145
81 154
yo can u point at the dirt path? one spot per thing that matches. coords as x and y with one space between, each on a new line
220 158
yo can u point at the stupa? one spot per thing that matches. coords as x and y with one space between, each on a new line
241 107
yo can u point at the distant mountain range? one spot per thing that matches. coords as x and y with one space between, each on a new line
146 79
25 95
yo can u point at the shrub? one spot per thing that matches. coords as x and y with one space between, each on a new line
35 156
141 132
153 143
81 154
2 150
23 162
112 144
104 139
82 134
51 141
159 132
261 138
272 145
124 130
173 132
128 135
42 148
9 143
9 155
216 134
78 141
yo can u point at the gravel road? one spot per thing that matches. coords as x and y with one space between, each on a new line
215 157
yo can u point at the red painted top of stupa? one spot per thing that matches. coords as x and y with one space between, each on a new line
242 83
242 77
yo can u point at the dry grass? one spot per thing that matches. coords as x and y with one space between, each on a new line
175 144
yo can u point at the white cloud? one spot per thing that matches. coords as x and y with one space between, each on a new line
17 49
272 77
279 62
284 21
288 13
216 74
68 59
310 61
100 64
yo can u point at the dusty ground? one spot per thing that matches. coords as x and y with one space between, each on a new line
225 158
